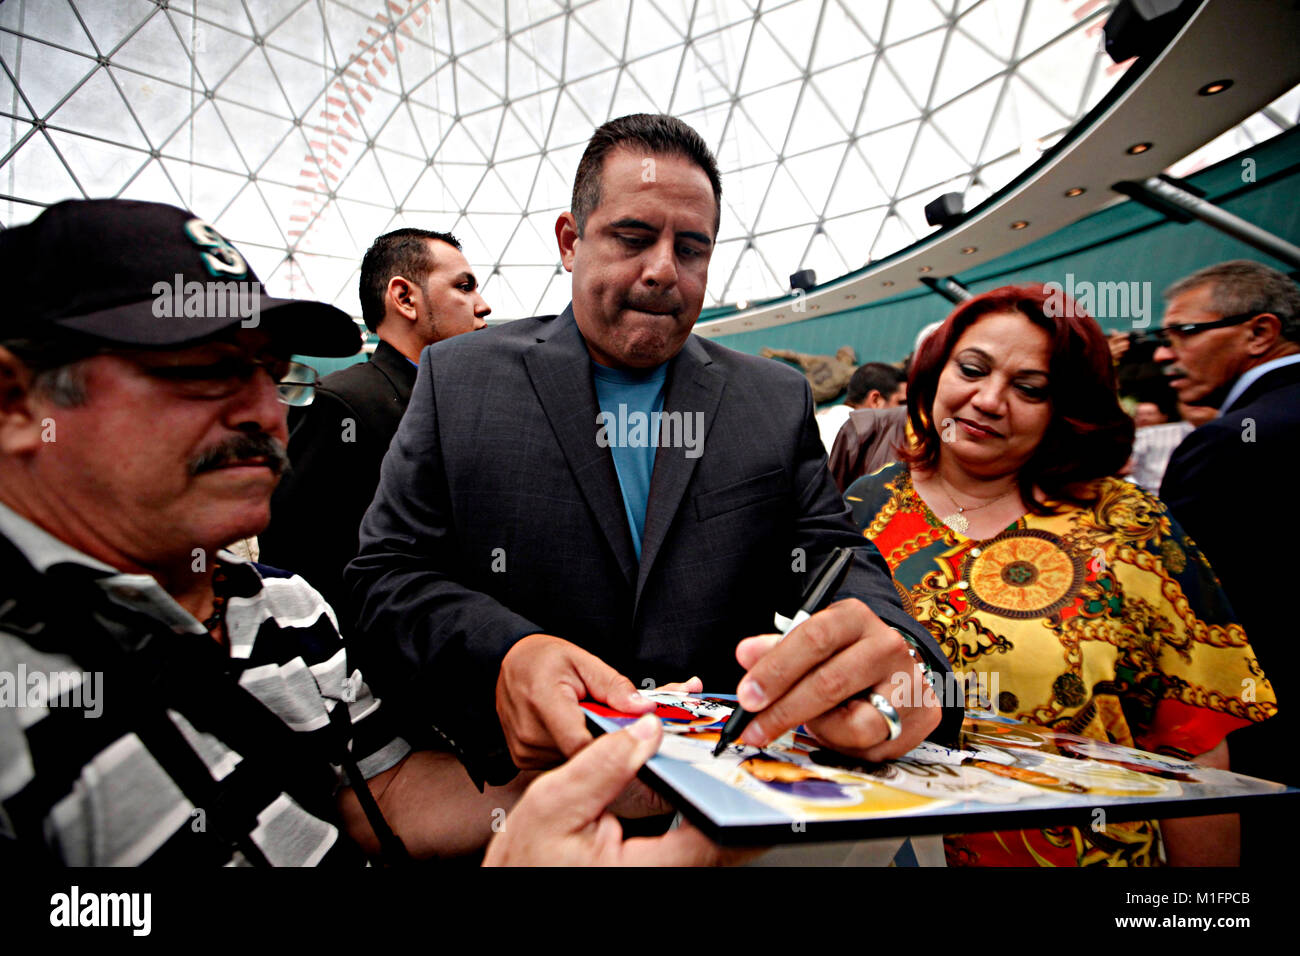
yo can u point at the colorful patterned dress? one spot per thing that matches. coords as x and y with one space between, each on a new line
1103 620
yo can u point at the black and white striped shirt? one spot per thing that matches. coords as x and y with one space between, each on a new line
96 772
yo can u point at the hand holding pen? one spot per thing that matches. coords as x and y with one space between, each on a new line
814 675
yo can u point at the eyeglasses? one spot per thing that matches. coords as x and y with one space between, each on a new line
295 383
1170 335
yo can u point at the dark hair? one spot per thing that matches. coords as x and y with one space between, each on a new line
1243 285
657 134
402 252
873 377
1089 435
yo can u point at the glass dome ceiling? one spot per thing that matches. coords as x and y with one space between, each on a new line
304 128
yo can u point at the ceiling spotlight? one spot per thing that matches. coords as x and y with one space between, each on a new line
1020 224
1075 191
742 305
1138 148
1218 86
925 268
967 250
887 282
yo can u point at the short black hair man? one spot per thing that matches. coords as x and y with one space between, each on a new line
576 501
416 289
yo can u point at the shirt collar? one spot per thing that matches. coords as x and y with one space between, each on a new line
138 592
1254 375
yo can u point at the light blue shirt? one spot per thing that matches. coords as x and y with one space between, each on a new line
1248 379
630 401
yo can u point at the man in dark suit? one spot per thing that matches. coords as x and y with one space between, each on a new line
1231 338
581 501
416 289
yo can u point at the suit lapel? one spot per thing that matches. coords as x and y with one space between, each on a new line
694 388
1274 379
559 368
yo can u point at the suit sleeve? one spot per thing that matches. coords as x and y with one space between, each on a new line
430 640
320 501
823 524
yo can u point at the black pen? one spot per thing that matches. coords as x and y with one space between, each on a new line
822 585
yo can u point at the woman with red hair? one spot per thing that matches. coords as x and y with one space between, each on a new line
1074 594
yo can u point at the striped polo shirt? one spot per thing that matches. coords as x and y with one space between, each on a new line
80 782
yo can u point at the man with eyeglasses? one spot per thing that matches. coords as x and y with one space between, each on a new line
1231 338
162 700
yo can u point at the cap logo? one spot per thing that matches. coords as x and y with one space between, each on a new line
220 258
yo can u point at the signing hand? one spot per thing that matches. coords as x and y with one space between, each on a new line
562 819
542 680
808 678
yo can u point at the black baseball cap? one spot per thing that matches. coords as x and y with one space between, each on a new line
149 275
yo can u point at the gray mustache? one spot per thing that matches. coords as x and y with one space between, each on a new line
242 448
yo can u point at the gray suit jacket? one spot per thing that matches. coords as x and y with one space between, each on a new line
499 515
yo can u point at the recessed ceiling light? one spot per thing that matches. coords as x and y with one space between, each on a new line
967 250
1020 224
887 282
1218 86
742 305
925 268
1138 148
1075 191
849 298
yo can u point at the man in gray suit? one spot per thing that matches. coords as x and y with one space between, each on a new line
575 503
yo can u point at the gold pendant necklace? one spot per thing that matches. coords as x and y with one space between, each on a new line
958 520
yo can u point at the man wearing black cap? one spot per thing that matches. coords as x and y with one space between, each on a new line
162 700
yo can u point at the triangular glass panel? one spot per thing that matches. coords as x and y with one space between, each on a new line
656 75
207 191
47 74
37 174
302 82
994 25
933 161
559 291
784 250
742 192
824 258
588 50
843 88
483 127
292 163
649 32
217 53
856 186
843 36
54 22
471 28
544 45
248 218
965 64
551 191
109 23
1046 22
813 125
437 91
887 151
916 62
96 108
430 194
472 92
771 112
514 140
227 13
367 223
854 235
494 230
766 64
160 107
155 49
401 133
1056 72
459 147
721 266
793 28
152 185
887 102
529 284
910 19
696 87
292 209
487 66
328 235
785 205
815 173
894 235
527 247
303 33
258 134
519 176
629 97
966 120
495 195
534 114
268 15
101 168
211 143
255 83
400 172
753 277
592 96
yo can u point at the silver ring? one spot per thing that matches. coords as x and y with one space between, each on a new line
887 711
